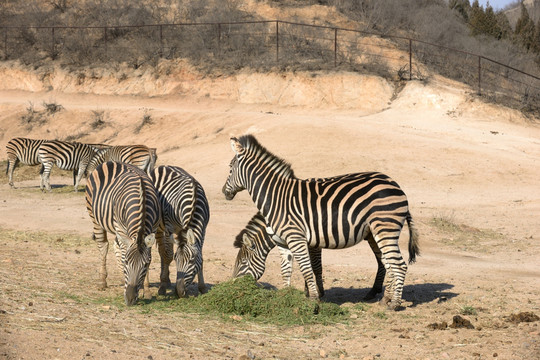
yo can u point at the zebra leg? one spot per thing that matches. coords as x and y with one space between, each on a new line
200 278
299 249
119 252
82 169
381 270
12 163
100 236
387 241
286 265
316 263
45 173
166 253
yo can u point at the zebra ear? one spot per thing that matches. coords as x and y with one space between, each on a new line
150 240
236 146
248 241
190 237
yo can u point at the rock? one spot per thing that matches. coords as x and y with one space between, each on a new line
460 322
522 317
438 326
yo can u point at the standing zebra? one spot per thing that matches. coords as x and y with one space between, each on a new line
254 244
67 156
21 150
185 214
137 155
331 213
122 200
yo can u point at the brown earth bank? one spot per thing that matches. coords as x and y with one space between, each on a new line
470 171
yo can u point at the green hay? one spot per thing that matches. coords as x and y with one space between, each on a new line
244 298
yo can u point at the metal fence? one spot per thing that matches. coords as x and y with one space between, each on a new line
267 44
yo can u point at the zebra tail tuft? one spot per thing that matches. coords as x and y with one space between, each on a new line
414 248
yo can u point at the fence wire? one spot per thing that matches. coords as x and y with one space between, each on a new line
266 44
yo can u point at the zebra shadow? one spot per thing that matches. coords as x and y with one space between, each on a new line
416 294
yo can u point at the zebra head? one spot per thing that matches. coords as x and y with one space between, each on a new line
251 256
136 261
234 181
188 259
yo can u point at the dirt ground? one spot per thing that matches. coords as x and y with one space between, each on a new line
470 171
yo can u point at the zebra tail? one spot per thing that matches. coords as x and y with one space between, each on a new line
414 248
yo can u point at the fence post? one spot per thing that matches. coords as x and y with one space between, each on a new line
410 59
219 38
277 41
105 39
52 42
5 43
335 47
479 75
160 40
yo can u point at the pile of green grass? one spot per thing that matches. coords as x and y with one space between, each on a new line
245 298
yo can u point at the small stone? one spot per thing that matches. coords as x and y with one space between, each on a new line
322 353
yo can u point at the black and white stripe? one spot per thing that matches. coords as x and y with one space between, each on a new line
185 214
122 200
331 213
254 244
67 156
140 156
21 150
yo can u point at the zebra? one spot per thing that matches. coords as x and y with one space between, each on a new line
122 200
185 214
67 156
140 156
331 213
21 150
255 244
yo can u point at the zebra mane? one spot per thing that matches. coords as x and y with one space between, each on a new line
238 242
250 143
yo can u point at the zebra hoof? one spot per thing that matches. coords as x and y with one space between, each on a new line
385 301
202 289
370 295
162 290
394 305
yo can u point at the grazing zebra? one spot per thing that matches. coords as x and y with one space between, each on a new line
255 244
185 214
331 213
21 150
137 155
122 200
67 156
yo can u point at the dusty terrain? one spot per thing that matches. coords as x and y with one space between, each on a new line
470 171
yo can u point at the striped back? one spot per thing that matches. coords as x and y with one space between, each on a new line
254 245
24 150
185 213
122 200
66 155
137 155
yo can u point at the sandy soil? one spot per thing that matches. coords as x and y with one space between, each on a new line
470 171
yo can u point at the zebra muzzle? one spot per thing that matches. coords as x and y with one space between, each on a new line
181 288
131 295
